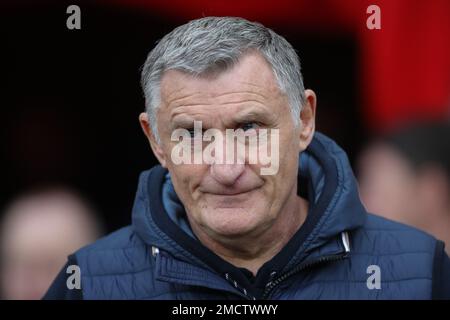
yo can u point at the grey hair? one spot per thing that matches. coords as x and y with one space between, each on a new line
213 44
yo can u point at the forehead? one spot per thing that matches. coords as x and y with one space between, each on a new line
251 75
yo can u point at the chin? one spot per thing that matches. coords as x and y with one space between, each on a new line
232 222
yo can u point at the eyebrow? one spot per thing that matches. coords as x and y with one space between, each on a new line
183 122
249 113
255 114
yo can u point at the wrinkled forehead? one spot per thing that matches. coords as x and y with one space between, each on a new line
251 75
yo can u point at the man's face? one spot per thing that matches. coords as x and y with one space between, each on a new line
231 200
390 187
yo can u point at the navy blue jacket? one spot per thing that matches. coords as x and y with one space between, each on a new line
338 253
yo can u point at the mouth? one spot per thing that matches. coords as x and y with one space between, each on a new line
233 193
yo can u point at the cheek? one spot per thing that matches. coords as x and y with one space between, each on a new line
289 145
285 180
275 192
289 158
186 179
278 186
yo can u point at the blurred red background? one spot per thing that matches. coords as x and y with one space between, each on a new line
404 67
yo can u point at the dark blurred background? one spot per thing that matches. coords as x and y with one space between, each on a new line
71 98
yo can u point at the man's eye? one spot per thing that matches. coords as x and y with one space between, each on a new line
248 126
191 132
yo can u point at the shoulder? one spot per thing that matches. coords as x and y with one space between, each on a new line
403 254
121 238
122 251
389 237
112 267
384 238
109 268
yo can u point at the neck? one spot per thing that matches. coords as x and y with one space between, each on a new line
251 251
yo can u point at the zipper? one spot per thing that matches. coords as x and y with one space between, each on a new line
240 291
325 259
301 267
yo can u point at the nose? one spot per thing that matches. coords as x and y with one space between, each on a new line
227 174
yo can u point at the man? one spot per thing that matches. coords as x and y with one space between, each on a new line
215 229
37 233
405 176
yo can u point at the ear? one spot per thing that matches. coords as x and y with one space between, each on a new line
156 147
307 120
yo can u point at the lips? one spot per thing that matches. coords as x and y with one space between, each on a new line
231 192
